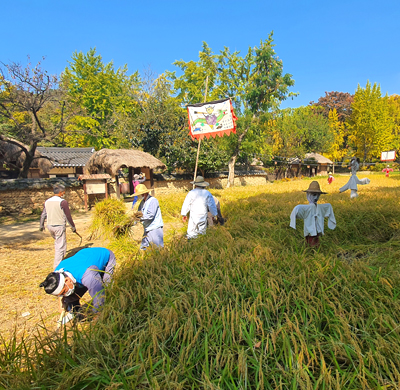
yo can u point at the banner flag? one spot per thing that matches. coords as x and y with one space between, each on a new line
211 119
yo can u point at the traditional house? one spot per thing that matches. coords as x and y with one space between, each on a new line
112 160
66 162
317 165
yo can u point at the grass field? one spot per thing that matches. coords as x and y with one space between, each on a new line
247 306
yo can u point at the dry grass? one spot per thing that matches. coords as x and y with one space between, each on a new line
245 307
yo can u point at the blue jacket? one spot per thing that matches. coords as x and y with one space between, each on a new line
85 258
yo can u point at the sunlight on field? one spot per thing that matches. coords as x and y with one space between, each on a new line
248 305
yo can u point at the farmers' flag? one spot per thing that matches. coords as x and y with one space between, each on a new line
211 119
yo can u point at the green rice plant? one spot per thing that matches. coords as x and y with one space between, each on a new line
247 306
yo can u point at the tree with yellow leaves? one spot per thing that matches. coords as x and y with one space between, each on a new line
371 125
338 148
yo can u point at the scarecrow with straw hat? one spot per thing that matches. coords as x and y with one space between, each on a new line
313 215
149 213
198 202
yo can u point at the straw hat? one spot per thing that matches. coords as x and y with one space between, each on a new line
141 189
314 187
199 182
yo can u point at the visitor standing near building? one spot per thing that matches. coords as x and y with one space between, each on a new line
56 211
137 179
198 202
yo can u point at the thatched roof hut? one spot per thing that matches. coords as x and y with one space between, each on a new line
319 158
111 160
319 165
14 157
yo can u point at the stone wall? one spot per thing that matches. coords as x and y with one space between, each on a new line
28 195
166 184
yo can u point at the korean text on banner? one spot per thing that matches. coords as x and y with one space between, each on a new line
211 119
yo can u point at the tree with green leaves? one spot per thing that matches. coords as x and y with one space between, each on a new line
106 98
255 83
371 125
297 131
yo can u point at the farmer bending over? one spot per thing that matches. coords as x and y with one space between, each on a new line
89 270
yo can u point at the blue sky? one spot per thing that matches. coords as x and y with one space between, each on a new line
325 45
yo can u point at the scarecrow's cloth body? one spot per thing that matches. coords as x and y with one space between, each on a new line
152 222
353 182
198 202
313 216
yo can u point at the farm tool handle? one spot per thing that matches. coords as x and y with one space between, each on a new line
79 237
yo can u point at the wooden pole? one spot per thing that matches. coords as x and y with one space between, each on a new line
198 147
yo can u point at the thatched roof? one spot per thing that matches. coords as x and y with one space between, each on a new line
111 160
14 156
318 158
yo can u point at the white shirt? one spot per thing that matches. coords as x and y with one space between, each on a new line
313 215
198 202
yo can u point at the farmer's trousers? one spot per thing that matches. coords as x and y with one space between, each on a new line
60 242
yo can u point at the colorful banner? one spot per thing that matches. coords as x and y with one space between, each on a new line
211 119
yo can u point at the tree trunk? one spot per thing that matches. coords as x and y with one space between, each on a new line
23 173
232 160
231 171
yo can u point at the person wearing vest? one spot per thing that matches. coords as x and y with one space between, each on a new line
88 270
150 215
57 213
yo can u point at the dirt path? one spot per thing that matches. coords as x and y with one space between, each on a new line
29 231
26 258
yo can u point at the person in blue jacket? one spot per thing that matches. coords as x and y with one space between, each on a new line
88 270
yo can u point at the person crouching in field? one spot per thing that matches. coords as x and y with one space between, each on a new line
149 213
313 215
57 212
218 219
198 202
88 270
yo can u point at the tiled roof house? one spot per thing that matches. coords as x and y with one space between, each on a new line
67 162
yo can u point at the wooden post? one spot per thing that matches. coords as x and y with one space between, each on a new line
117 187
198 147
85 196
130 178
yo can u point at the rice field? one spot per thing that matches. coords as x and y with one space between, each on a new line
247 306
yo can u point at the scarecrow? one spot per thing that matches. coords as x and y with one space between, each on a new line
313 215
354 180
387 170
330 178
